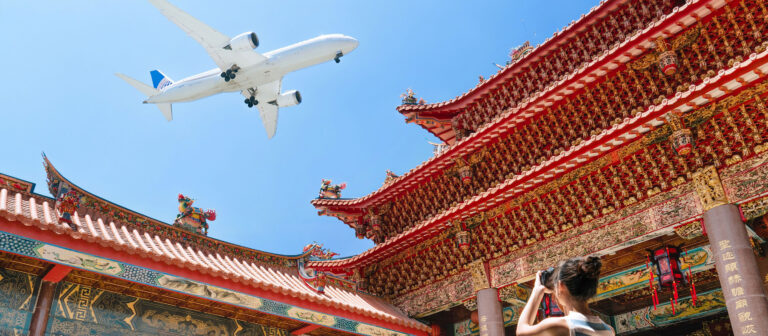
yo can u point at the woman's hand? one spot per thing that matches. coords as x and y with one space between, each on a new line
537 286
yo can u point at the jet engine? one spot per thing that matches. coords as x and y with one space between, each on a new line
244 41
289 98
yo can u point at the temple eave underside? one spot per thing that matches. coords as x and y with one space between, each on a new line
594 162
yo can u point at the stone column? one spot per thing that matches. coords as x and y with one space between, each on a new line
736 265
488 305
489 312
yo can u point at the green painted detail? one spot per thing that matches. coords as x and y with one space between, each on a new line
18 294
82 310
707 303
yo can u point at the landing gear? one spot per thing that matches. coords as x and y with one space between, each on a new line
251 102
230 73
337 59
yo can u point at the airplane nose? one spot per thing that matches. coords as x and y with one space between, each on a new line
351 44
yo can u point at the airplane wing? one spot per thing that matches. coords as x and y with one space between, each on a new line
267 94
212 40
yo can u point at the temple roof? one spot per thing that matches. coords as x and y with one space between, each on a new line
110 211
146 241
725 82
610 60
441 113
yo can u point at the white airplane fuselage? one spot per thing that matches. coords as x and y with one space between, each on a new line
277 64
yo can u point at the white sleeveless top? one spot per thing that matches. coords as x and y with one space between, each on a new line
580 325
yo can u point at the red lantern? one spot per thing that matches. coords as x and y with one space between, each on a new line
682 141
360 231
667 57
669 273
668 62
667 262
474 317
550 308
375 223
465 173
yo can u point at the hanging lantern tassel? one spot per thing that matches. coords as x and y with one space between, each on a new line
654 295
672 302
693 286
674 290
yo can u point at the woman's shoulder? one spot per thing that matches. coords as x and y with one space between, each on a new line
590 322
556 325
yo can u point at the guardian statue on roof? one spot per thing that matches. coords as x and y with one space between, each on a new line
328 190
191 218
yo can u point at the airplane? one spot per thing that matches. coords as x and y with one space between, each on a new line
256 76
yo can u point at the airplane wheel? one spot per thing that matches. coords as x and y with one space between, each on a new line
226 79
254 101
232 76
250 105
223 75
248 101
337 60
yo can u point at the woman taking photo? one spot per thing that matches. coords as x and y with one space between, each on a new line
575 282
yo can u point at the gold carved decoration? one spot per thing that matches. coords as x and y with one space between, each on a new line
690 230
479 275
470 304
709 188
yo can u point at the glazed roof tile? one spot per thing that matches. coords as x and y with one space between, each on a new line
36 211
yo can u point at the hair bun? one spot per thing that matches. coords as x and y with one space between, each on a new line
590 267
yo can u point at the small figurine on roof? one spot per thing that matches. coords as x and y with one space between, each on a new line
67 203
318 252
520 52
191 218
409 98
390 176
328 190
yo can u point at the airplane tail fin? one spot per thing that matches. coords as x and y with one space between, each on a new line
143 88
160 80
149 91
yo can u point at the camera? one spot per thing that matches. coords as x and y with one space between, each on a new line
548 278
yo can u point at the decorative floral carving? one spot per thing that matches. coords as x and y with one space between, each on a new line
708 188
690 230
479 276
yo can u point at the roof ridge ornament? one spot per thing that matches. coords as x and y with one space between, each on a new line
328 190
409 98
191 218
317 252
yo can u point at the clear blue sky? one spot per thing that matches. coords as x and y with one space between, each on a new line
59 95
